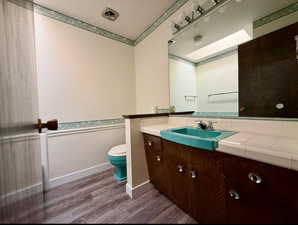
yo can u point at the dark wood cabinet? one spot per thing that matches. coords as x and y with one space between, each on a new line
196 182
156 163
252 192
177 171
207 186
268 75
219 188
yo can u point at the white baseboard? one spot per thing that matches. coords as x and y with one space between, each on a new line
20 194
77 175
138 190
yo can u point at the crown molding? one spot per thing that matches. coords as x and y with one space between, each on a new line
276 15
28 4
170 11
80 24
180 59
42 10
218 56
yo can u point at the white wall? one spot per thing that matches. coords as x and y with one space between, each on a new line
218 77
152 67
82 76
183 80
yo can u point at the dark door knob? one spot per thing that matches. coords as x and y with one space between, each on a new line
50 125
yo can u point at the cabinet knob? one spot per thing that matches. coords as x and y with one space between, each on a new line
149 143
255 178
158 158
193 174
234 195
180 169
280 106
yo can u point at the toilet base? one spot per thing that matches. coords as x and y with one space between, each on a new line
119 163
120 174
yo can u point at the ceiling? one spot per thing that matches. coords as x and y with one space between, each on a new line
234 16
135 15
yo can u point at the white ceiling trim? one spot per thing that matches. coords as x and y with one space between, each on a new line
170 11
103 32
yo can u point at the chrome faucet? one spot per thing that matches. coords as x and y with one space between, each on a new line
204 126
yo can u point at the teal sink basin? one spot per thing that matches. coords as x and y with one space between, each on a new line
203 139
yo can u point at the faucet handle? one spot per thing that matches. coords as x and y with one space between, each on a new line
202 125
211 124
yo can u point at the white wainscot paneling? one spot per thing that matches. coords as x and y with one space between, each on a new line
74 154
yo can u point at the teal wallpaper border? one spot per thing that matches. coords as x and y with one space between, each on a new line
23 3
89 124
233 116
80 24
217 57
276 15
180 59
169 12
208 60
97 30
216 114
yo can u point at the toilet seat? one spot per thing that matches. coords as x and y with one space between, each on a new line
118 151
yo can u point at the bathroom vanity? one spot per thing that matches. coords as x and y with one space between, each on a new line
216 187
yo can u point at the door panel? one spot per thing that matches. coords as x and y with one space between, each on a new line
20 160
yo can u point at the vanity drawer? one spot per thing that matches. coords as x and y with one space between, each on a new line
239 169
152 143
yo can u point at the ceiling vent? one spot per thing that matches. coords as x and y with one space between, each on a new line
110 14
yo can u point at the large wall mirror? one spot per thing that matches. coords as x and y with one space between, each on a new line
232 60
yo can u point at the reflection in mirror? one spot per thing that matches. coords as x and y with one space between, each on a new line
204 58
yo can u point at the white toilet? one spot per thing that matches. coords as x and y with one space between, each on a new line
117 157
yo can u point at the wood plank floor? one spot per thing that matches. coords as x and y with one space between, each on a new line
96 199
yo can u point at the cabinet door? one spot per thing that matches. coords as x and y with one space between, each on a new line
268 69
156 163
252 193
177 163
208 187
285 193
247 205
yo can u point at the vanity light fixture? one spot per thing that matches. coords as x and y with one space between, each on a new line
175 27
197 12
216 1
200 9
